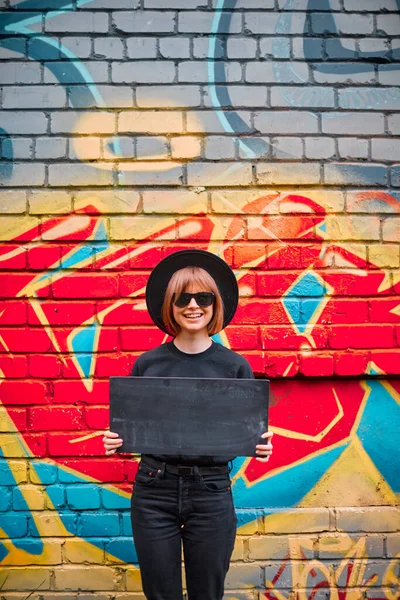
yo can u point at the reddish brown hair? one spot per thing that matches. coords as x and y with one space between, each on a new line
181 281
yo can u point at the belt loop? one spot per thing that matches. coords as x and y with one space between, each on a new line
161 470
196 473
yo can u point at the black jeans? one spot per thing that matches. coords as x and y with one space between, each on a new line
197 511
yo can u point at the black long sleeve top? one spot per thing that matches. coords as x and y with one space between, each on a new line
215 362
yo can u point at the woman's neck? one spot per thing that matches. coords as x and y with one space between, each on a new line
192 343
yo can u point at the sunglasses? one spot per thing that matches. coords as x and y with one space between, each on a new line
203 299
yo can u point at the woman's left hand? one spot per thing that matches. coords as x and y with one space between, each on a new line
265 450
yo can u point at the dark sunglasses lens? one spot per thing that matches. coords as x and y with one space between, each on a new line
183 300
204 298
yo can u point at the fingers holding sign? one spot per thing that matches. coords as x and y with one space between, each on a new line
111 442
264 451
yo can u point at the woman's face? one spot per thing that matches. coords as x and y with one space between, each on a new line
192 317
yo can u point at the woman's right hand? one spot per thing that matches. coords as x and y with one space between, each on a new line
111 442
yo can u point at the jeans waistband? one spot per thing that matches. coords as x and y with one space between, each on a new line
186 470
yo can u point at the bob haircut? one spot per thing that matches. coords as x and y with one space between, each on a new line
182 281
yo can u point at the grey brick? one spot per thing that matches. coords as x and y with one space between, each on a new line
145 21
109 47
395 176
184 96
80 46
151 148
158 175
184 4
275 47
143 72
25 174
118 146
332 5
193 71
151 121
114 96
241 95
203 47
97 69
111 4
89 122
394 124
370 98
34 97
80 22
266 72
354 174
389 74
284 580
12 202
21 148
264 4
201 22
141 47
314 47
387 149
330 546
304 97
79 174
350 72
175 47
243 576
219 174
340 48
280 122
258 147
51 147
389 24
350 123
375 45
24 123
353 147
266 23
288 173
219 147
287 148
393 545
238 47
20 72
370 5
322 23
208 121
319 147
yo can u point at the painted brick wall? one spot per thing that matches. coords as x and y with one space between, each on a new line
266 131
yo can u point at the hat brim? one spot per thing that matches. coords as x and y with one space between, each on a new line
213 264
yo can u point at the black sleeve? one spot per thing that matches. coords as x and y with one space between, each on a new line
245 371
136 369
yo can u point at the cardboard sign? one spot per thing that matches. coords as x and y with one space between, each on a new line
179 415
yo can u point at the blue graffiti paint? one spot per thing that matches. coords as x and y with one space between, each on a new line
379 430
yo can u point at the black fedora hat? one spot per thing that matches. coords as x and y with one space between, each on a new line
213 264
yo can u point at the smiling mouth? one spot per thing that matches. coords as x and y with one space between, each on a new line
193 317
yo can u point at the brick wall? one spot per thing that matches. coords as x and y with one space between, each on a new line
266 131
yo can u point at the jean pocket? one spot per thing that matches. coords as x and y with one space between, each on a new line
146 475
216 483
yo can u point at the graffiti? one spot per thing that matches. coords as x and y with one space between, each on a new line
352 575
318 313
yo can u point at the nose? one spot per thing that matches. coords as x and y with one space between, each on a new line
193 303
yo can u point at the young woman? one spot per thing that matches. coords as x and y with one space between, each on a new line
187 499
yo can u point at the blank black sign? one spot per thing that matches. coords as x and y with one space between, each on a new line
179 415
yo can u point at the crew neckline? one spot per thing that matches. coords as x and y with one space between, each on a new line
189 356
